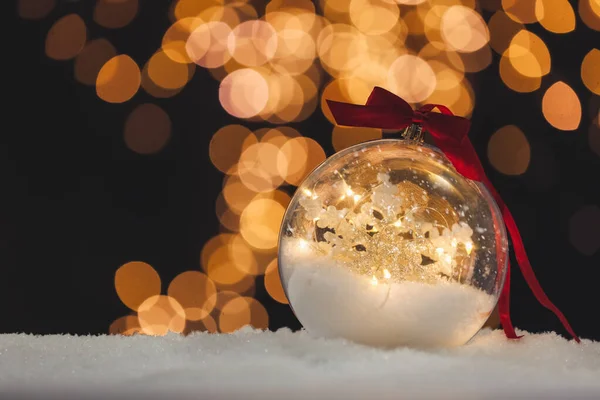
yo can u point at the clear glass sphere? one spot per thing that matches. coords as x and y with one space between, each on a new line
386 244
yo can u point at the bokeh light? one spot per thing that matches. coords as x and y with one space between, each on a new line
176 37
135 282
298 157
590 71
502 30
147 129
166 73
514 79
260 222
273 283
35 9
242 311
195 292
529 55
159 315
411 78
521 10
589 11
509 151
91 59
244 93
115 13
207 324
561 107
252 43
343 137
66 37
127 325
463 29
556 16
207 45
118 80
228 144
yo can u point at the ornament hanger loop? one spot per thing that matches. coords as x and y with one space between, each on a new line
413 133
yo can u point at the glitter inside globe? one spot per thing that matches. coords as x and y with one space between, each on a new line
386 244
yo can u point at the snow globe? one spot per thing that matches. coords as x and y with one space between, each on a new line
386 244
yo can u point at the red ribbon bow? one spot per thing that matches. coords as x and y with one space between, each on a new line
385 110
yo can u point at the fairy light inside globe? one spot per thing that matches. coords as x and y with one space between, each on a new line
386 244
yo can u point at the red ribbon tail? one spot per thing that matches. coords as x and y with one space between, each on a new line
527 270
504 308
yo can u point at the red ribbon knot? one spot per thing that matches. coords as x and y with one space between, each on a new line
385 110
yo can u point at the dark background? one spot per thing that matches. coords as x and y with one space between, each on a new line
76 203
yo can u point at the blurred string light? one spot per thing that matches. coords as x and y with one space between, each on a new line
118 80
589 11
90 60
66 37
278 65
115 13
590 71
35 9
561 107
509 151
147 129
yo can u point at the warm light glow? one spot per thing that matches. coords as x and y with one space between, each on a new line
590 71
207 44
35 9
373 17
242 311
195 292
148 129
386 274
159 315
411 78
463 29
561 107
166 73
135 282
252 43
555 15
126 325
521 10
244 93
374 281
343 137
502 30
230 262
469 247
91 59
260 222
273 283
514 79
66 37
228 144
589 11
529 55
298 156
118 80
509 151
115 13
176 37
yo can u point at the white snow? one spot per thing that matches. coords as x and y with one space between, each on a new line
285 365
331 301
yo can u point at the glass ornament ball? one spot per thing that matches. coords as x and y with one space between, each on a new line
386 244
